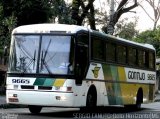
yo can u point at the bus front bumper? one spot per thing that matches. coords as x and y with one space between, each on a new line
41 98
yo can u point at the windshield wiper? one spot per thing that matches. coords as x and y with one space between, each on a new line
43 58
31 61
26 54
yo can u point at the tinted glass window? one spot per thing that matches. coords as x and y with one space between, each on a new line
110 52
98 49
141 58
121 54
132 56
151 60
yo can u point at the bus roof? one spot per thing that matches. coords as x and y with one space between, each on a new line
64 28
48 28
144 45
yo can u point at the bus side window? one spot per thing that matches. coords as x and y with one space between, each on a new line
132 56
110 52
141 58
146 60
151 60
121 54
98 49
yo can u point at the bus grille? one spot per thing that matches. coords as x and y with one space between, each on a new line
44 88
27 87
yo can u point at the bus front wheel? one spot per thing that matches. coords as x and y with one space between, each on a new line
34 109
91 98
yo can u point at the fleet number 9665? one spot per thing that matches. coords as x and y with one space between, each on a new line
24 81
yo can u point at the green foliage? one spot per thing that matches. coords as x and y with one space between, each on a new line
62 11
151 37
125 29
27 11
7 23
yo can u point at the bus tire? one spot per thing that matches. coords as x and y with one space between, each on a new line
34 109
139 99
91 101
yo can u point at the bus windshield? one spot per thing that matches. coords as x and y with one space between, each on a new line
44 54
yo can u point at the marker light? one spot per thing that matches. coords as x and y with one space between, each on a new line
68 89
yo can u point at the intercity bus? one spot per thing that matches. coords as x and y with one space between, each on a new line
73 66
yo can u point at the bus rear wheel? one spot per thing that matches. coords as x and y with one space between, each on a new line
139 101
35 109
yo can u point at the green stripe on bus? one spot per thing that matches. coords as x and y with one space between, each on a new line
44 82
49 82
39 81
113 89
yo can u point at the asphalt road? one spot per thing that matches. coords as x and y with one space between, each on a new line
148 111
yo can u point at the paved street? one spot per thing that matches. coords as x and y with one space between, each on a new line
151 111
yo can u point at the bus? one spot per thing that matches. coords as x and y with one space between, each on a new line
73 66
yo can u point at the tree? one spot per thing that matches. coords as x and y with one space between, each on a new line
126 29
61 11
27 11
155 5
151 37
121 9
80 11
6 25
37 11
85 8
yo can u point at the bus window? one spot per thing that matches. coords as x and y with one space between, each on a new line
55 54
23 58
132 56
146 60
110 52
98 49
141 58
151 60
121 54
